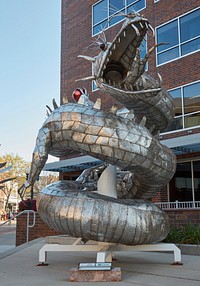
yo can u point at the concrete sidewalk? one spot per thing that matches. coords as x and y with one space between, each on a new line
18 267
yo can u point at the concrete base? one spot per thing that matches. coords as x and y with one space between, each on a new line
113 275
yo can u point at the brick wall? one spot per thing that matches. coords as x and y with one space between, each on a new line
176 218
183 217
39 230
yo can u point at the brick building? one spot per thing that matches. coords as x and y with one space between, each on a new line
177 24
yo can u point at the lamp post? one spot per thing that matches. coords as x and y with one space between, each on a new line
27 176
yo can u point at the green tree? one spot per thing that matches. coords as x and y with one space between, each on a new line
17 173
45 179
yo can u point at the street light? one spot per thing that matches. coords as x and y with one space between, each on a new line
27 176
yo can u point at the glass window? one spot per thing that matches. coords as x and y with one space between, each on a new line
181 184
115 6
191 95
98 28
187 107
182 36
189 26
168 55
137 6
190 47
116 19
100 11
168 34
105 12
196 168
177 100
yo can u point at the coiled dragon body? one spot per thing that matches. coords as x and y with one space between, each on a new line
128 142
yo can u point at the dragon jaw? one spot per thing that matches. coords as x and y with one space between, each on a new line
118 65
119 71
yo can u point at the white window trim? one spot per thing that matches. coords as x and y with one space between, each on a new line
179 44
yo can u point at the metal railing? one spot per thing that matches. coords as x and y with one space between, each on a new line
179 205
28 225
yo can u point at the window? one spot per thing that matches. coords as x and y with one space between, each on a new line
106 13
182 37
185 185
187 106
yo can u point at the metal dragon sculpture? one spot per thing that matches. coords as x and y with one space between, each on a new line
129 142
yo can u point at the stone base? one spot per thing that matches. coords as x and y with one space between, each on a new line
113 275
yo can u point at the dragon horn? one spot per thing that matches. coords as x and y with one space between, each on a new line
86 78
90 59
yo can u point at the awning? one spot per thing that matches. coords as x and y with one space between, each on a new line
186 144
74 164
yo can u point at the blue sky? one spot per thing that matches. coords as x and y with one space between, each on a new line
30 32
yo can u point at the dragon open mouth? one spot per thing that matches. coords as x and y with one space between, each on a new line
121 58
120 71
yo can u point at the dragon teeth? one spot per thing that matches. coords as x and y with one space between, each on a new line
141 25
97 104
136 30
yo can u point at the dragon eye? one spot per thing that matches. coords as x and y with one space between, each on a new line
76 94
103 47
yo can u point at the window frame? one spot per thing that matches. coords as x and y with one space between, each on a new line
179 44
183 115
191 161
108 17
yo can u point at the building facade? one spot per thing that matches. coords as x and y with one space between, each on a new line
176 23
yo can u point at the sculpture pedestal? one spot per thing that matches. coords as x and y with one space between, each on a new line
105 251
112 275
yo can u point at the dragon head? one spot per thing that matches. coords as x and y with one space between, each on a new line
120 71
118 65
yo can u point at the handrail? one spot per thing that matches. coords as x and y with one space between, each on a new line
27 221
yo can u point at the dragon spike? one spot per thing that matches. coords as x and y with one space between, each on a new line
55 105
152 29
82 100
130 115
160 79
143 80
157 136
49 108
114 109
136 30
97 104
47 113
143 121
86 78
146 57
152 128
65 100
87 58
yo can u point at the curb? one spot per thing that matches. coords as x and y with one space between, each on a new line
189 249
